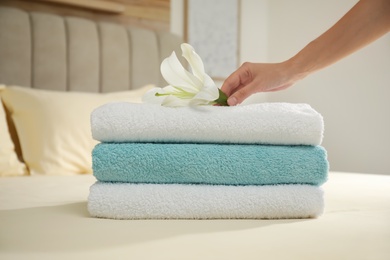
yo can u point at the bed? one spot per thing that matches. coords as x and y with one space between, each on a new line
53 68
45 217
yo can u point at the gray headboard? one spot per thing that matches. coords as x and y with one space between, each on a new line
48 51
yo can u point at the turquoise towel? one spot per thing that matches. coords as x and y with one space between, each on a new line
220 164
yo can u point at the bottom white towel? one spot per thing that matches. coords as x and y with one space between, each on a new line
178 201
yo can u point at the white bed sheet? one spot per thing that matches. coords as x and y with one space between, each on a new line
45 217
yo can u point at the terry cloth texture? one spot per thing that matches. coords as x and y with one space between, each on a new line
225 164
265 123
165 201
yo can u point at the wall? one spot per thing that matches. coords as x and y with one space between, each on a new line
353 95
254 32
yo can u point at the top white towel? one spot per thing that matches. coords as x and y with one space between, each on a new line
264 123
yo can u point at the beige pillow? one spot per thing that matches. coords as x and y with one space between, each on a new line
54 127
9 162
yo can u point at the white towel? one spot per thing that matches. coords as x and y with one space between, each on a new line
265 123
178 201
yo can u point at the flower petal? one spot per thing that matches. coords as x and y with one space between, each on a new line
168 90
200 102
174 73
208 93
150 96
172 101
208 81
194 60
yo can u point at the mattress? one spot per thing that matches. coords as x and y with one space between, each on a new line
46 217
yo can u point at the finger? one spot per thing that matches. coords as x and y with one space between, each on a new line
240 95
237 79
230 84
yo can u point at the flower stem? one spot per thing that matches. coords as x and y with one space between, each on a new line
222 99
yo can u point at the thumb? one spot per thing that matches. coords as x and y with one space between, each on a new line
239 96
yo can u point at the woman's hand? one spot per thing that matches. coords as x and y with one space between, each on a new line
365 22
252 78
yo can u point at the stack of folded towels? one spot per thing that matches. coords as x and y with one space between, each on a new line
207 162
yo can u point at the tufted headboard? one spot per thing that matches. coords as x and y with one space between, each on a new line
48 51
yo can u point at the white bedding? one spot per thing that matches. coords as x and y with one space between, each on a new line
45 217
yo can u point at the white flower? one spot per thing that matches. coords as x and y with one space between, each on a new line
185 88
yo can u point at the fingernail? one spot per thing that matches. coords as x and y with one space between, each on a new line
232 101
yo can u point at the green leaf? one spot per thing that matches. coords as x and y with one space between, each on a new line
222 99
